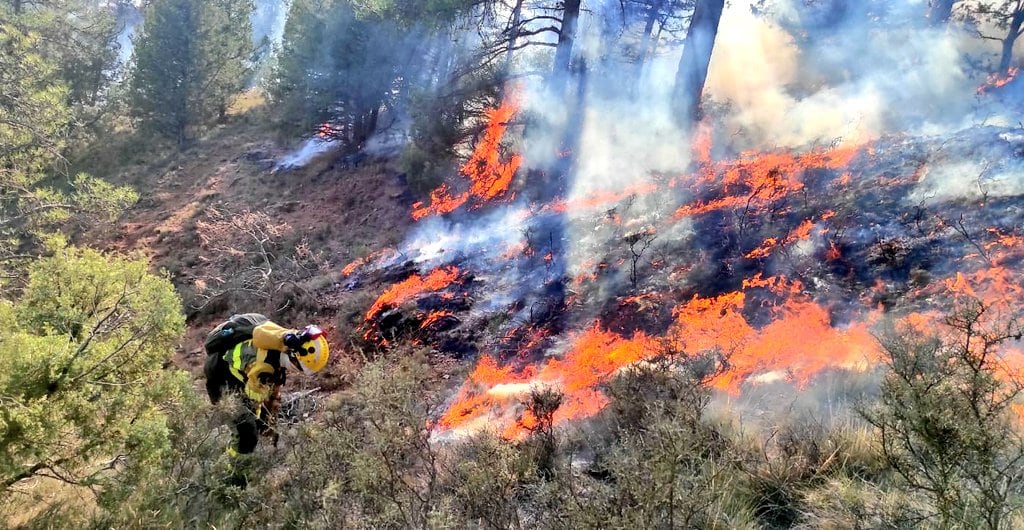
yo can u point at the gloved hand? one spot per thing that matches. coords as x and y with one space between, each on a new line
259 382
296 340
293 341
257 390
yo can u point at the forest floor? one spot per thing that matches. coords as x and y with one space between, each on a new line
344 212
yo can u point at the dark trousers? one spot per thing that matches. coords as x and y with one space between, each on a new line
248 425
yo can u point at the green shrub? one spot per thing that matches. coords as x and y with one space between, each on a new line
85 387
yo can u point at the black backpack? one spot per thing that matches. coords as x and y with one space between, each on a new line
236 329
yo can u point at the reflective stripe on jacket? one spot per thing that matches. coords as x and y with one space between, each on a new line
248 361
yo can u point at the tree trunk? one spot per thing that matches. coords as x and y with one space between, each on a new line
1011 38
566 36
517 17
646 46
693 65
940 12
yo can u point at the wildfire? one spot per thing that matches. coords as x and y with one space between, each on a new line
771 319
489 176
801 340
412 287
756 179
998 80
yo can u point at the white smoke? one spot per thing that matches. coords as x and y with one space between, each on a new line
305 153
268 21
865 78
986 169
128 18
879 80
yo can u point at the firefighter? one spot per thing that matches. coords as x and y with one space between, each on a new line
249 354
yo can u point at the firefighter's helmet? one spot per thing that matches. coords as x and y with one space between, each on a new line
312 356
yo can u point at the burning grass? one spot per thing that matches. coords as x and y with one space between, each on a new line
489 176
788 261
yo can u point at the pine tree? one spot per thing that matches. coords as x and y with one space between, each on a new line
85 387
78 38
340 64
191 58
35 119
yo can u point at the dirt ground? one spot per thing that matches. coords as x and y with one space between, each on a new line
344 210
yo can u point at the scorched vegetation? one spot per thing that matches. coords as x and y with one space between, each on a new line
636 264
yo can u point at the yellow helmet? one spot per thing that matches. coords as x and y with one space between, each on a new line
312 356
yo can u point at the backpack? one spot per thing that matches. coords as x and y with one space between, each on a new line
234 330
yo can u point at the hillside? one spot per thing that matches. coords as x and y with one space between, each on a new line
342 212
642 264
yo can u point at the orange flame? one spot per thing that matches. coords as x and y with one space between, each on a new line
489 177
595 355
434 317
800 341
351 268
756 179
412 287
799 233
601 198
702 142
998 80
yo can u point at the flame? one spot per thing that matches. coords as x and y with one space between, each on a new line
756 179
489 177
800 340
352 267
492 390
702 142
998 80
833 253
412 287
799 233
1004 241
644 300
441 202
602 198
347 270
326 130
434 317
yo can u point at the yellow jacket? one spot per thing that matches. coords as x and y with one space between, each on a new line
253 361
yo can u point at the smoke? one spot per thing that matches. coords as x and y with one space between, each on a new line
755 67
793 76
980 165
129 17
268 21
854 80
305 153
784 87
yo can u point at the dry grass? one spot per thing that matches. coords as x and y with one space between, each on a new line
247 101
69 504
849 503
